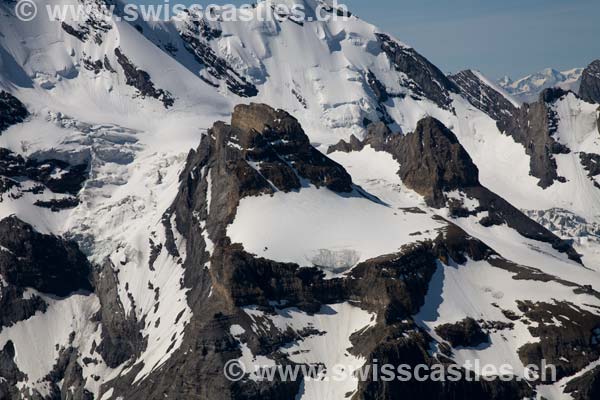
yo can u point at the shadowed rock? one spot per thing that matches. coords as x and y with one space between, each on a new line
12 111
590 83
46 263
531 125
122 339
586 386
425 79
140 80
465 333
433 163
482 96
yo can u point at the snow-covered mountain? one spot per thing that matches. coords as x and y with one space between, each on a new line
528 88
176 196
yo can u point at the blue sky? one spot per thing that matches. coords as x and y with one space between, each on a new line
503 37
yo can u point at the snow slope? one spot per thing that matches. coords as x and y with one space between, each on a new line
136 149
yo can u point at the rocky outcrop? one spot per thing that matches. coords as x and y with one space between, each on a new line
569 337
141 80
15 307
590 83
95 25
46 263
12 111
433 163
55 175
196 38
431 159
482 96
67 371
465 333
591 163
585 387
9 372
122 338
410 349
534 126
382 96
424 78
223 278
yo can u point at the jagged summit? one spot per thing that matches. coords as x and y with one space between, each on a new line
590 83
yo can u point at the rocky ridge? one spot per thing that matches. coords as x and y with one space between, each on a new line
590 83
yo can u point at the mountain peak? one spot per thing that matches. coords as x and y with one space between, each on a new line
528 88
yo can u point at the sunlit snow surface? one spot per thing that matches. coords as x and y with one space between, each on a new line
293 227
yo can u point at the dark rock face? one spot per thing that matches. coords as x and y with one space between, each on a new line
590 83
465 333
533 127
9 372
140 80
80 34
12 111
398 343
482 96
433 161
58 176
381 95
216 66
411 349
122 339
58 205
71 177
591 163
97 66
275 140
585 387
425 78
68 370
95 24
570 345
94 27
14 308
46 263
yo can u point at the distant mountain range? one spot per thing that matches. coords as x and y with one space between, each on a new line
528 88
